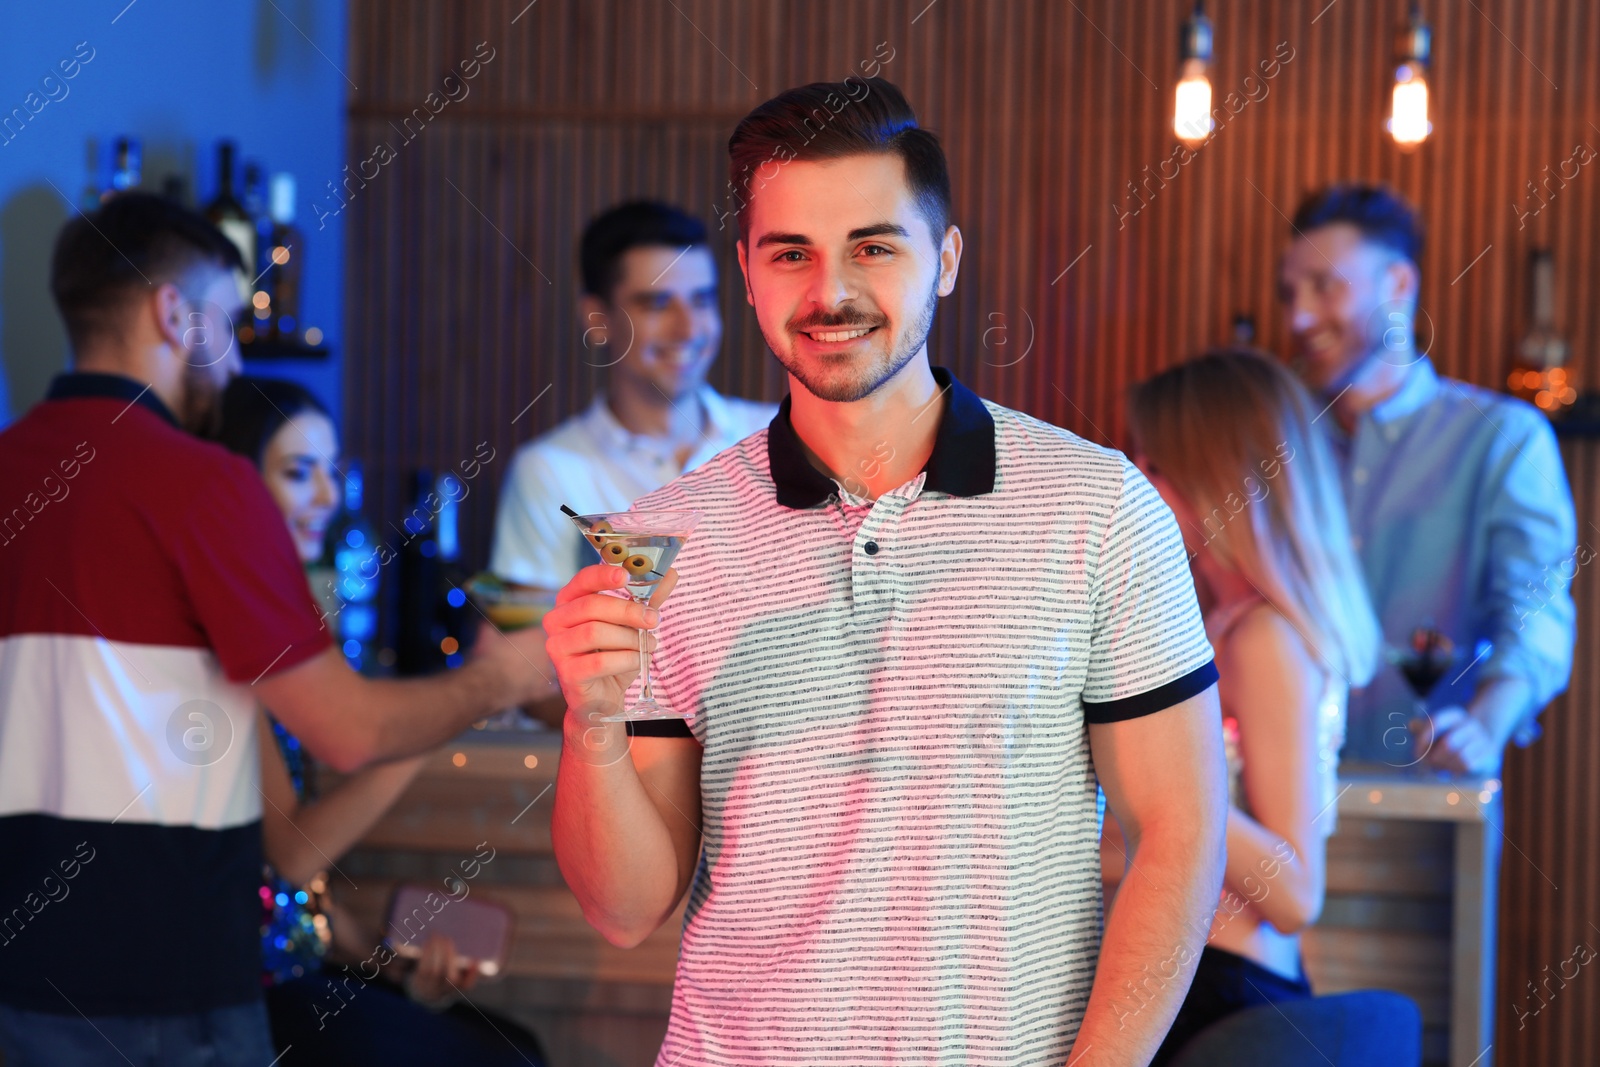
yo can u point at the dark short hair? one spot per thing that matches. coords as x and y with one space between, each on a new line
253 409
1383 216
131 242
636 224
830 120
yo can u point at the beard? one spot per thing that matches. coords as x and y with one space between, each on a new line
1383 340
847 384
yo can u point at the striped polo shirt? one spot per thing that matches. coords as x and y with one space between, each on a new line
146 579
901 815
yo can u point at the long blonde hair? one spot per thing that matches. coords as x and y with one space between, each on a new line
1231 430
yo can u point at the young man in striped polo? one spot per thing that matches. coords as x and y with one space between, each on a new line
913 635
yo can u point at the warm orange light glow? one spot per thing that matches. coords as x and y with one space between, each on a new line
449 646
530 762
1191 113
459 759
1408 115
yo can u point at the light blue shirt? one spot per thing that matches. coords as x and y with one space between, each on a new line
1462 518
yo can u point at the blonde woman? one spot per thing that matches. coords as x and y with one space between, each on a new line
1228 441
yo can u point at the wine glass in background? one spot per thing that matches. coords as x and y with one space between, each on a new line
507 605
1427 657
644 544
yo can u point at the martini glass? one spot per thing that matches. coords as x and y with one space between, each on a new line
1428 656
644 544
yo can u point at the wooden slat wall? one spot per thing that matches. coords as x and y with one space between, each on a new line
461 276
1550 868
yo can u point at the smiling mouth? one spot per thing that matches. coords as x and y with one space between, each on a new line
837 336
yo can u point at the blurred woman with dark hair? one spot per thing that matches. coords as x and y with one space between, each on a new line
290 437
1228 441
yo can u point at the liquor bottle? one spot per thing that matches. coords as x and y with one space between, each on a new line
124 167
353 566
254 201
229 214
1244 330
416 630
1538 371
432 609
286 254
452 611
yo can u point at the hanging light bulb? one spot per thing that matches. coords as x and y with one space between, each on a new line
1191 112
1408 116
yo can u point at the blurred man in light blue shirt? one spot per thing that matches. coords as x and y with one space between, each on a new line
1458 502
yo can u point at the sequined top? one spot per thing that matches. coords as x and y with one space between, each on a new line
294 928
1330 727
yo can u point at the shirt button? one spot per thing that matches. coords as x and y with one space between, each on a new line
1359 475
871 547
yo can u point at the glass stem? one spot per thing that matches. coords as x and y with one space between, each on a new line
645 693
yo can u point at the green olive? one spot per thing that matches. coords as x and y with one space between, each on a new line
597 532
638 565
614 553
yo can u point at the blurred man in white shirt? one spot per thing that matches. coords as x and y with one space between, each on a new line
650 315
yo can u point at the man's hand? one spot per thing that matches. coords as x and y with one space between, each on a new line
1456 741
626 821
518 656
547 706
593 636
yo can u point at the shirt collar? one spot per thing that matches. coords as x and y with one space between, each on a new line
612 434
76 385
1419 387
616 436
962 463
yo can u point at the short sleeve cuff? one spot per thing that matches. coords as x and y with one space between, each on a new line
1177 691
660 728
293 655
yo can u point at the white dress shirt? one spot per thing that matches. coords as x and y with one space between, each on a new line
591 463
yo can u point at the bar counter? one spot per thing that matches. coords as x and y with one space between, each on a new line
1410 902
589 1002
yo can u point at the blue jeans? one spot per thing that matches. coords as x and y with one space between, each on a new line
235 1036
